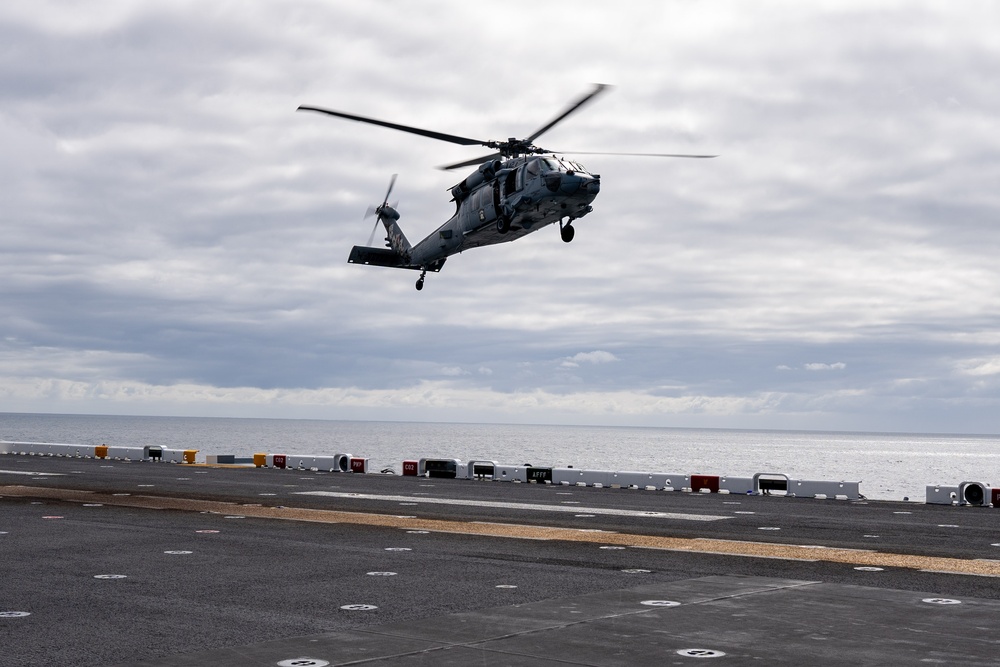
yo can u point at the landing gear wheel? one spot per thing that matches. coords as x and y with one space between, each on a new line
567 233
503 224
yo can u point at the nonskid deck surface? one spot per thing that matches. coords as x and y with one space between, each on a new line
340 568
743 620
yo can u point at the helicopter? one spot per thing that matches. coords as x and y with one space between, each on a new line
516 190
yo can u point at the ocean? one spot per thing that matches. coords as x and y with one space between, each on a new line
890 466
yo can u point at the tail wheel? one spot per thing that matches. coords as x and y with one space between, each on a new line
503 224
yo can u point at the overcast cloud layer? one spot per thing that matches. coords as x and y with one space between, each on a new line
175 235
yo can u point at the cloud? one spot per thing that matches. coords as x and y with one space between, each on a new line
838 366
980 367
173 228
596 357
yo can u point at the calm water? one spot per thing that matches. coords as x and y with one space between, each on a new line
889 466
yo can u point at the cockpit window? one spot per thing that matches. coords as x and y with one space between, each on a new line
533 168
551 164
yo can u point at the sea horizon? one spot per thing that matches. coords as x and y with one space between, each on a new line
958 434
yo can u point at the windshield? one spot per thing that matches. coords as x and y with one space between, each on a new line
559 164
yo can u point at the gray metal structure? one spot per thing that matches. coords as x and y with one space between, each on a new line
516 190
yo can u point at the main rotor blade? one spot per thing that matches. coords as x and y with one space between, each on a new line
469 163
633 154
441 136
598 88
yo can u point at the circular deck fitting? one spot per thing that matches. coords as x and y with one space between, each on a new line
358 607
303 662
178 553
14 614
418 532
700 653
615 548
506 586
636 571
110 576
865 568
398 549
381 574
660 603
941 601
769 528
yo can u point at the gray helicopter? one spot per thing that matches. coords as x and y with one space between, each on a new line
516 190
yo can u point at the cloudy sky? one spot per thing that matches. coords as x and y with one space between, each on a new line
175 235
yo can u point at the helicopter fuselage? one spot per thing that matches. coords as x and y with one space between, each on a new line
505 200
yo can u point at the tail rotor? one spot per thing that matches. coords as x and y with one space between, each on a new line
377 211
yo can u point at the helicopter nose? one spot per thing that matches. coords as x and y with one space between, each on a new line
572 184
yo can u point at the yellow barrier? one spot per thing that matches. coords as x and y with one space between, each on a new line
260 460
101 451
189 455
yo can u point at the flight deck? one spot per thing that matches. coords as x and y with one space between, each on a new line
142 563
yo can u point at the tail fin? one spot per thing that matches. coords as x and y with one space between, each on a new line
398 253
388 216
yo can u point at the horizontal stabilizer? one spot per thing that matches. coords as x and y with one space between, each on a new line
375 257
385 257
